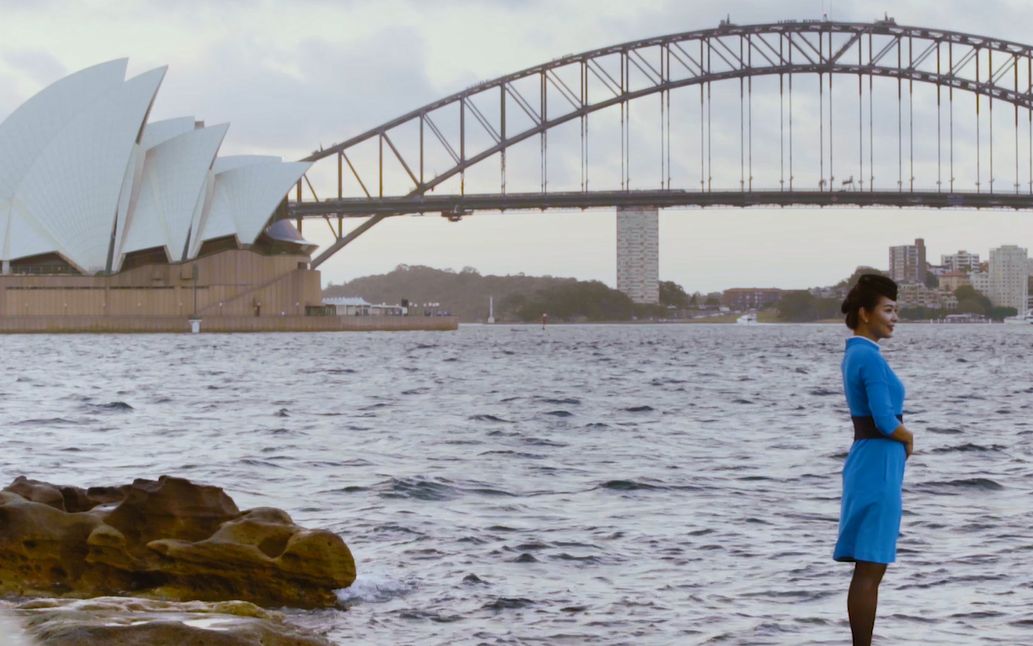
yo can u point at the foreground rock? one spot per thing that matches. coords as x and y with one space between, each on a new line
119 621
169 539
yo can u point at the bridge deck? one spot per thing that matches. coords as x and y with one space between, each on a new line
454 205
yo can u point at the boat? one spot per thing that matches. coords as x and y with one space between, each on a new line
749 318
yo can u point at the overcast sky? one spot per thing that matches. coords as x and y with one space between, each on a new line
290 77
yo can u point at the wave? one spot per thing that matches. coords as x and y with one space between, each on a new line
562 400
559 413
825 392
969 447
507 603
375 588
979 484
629 485
114 407
489 418
47 421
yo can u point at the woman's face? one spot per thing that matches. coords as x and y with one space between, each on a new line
879 322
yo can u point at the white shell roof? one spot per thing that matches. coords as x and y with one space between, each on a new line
244 197
172 183
72 189
82 175
27 130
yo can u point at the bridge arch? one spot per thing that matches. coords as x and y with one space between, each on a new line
983 66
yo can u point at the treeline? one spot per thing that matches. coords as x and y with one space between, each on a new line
801 306
517 298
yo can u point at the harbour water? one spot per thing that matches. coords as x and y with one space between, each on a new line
579 484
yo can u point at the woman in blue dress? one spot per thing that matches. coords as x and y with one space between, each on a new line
873 474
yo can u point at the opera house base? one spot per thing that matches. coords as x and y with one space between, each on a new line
232 290
155 324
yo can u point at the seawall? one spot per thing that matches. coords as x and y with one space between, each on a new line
178 324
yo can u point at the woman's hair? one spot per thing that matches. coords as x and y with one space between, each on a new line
866 294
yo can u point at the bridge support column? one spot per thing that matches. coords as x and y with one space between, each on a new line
638 253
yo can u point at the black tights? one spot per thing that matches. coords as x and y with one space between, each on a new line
863 599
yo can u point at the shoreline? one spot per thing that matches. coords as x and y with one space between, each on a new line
222 324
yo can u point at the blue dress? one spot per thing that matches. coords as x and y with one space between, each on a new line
869 519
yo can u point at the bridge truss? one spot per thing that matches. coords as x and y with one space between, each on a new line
481 125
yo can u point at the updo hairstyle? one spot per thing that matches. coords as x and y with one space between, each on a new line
866 294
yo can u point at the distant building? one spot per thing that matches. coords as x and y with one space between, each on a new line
980 281
1009 277
829 292
357 306
961 261
907 262
953 280
638 255
750 298
918 295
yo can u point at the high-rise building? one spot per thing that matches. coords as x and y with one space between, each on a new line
638 253
980 281
961 261
1009 276
907 262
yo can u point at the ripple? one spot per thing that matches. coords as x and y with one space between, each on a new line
489 418
508 603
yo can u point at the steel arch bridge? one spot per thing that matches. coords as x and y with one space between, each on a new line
528 105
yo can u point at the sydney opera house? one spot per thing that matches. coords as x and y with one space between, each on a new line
109 221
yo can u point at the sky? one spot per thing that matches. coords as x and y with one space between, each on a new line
293 76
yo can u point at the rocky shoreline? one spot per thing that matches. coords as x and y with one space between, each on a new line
160 562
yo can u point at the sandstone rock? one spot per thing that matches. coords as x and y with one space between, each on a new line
169 539
121 621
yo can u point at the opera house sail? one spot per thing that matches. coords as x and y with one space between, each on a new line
107 215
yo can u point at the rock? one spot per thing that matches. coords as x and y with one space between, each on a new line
169 539
127 621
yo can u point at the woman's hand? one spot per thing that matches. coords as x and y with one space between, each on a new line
904 436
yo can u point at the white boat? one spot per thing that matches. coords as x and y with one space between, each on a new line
749 318
1021 320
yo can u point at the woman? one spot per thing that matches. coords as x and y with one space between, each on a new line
869 519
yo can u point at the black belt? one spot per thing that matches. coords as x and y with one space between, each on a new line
865 428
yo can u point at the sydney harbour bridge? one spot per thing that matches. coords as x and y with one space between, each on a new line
793 113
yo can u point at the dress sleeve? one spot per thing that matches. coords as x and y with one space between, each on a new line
876 387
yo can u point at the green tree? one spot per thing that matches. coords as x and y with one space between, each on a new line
931 281
999 313
852 279
970 301
671 293
797 306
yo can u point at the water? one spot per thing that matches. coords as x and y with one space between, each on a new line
582 484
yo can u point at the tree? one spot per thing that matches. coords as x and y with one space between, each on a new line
970 301
672 293
999 313
931 280
797 306
853 278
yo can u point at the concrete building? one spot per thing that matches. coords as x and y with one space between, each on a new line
750 298
358 306
1009 277
953 280
907 262
638 253
918 295
961 261
980 281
